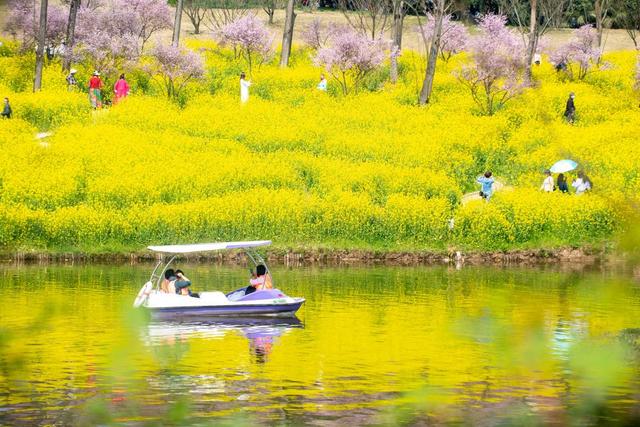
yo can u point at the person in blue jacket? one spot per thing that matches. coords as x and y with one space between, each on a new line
487 185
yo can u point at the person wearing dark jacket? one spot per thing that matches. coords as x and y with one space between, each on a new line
6 111
562 184
570 111
182 284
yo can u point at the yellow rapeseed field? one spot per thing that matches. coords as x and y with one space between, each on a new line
312 169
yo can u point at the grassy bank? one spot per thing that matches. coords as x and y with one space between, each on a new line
583 257
370 172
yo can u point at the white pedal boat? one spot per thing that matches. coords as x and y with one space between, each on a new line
261 302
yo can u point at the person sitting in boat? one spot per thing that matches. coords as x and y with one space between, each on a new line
182 284
168 284
259 280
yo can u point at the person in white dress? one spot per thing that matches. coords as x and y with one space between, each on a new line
244 88
323 83
548 185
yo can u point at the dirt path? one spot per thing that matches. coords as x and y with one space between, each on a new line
498 186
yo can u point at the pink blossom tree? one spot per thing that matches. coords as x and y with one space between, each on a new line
249 38
134 20
454 36
349 57
149 18
174 67
497 72
112 36
23 23
579 56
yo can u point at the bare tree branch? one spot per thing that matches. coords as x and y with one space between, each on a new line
370 17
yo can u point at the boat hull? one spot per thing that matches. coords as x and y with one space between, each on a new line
230 310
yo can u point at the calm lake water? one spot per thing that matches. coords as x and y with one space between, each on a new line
372 345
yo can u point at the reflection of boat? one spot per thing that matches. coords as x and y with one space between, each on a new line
261 332
218 327
241 302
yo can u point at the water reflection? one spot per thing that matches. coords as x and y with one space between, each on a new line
261 333
453 343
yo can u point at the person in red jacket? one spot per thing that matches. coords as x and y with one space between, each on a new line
95 90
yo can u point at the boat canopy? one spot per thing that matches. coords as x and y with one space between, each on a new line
207 247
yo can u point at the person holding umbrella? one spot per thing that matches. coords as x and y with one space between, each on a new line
561 167
562 184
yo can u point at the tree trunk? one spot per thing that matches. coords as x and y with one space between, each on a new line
398 18
533 37
287 36
393 71
599 19
177 22
74 5
42 34
430 73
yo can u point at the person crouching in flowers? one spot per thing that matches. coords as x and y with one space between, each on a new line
244 88
120 89
95 90
487 185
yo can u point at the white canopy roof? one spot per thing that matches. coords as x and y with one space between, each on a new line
206 247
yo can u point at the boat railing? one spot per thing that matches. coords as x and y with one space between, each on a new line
156 277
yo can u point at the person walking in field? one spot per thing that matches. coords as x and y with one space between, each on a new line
323 83
6 110
562 183
95 90
72 83
120 89
244 88
570 110
547 184
487 185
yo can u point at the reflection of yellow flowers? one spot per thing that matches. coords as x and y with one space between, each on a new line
300 166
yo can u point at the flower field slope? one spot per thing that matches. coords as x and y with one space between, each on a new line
306 168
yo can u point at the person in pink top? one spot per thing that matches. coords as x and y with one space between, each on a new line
121 89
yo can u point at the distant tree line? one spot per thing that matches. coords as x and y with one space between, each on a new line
613 13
